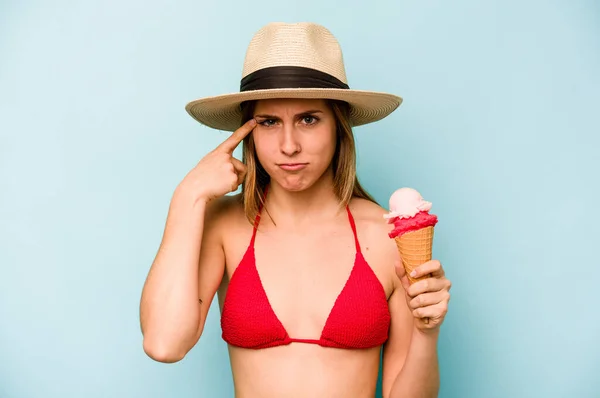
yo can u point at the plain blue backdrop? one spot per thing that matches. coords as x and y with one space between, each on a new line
499 129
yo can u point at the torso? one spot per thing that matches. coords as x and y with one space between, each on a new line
302 273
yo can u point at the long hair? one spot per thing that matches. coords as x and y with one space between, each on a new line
345 181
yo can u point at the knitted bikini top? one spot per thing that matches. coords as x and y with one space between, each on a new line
360 317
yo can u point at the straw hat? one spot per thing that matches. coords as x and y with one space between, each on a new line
299 60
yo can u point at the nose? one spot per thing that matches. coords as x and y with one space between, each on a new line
289 141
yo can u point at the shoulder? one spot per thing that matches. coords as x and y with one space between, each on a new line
224 212
378 248
369 220
225 205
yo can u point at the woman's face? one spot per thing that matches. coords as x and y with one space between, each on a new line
295 140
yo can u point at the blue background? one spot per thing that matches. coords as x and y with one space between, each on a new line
499 129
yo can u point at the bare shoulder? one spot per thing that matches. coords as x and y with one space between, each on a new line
369 220
225 206
224 211
232 231
378 248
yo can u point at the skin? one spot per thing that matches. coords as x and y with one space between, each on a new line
207 234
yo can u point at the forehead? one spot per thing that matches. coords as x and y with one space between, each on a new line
290 105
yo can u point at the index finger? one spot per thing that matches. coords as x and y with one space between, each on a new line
433 267
238 135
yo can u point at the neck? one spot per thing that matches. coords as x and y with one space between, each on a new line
309 206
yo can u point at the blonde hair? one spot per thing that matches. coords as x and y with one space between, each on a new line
345 180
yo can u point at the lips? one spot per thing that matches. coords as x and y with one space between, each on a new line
292 166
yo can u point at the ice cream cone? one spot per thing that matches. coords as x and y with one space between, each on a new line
413 230
415 249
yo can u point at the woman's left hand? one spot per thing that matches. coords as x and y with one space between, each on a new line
427 298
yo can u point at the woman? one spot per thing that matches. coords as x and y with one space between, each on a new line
309 283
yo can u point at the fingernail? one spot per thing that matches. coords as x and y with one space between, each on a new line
252 122
413 274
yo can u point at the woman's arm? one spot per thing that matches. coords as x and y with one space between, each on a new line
426 301
410 362
183 278
190 262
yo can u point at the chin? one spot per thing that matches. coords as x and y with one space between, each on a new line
295 183
294 186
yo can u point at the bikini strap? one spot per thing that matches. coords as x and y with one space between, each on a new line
353 225
256 221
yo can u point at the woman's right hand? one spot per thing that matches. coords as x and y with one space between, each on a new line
219 173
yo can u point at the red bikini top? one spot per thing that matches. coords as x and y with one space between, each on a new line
360 317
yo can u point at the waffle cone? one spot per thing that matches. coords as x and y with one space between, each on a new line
415 249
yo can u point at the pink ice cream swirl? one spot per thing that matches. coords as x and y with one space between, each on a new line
420 220
409 212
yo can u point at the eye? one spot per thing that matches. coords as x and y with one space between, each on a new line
309 119
267 122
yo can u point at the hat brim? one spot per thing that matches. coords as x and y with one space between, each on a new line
223 112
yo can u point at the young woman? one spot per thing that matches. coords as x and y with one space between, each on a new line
309 284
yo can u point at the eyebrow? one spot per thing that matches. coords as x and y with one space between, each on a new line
310 112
